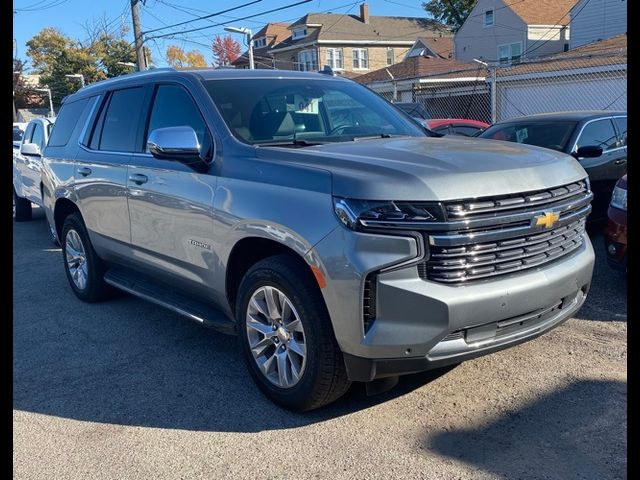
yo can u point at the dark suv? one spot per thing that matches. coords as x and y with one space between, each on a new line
312 218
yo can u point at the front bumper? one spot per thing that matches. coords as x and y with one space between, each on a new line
422 324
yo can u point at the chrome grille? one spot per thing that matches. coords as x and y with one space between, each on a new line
495 236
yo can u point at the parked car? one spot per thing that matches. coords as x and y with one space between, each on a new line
18 131
27 165
598 139
615 233
338 248
443 126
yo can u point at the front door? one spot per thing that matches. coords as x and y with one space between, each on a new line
170 204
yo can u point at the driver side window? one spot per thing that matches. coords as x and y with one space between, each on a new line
599 133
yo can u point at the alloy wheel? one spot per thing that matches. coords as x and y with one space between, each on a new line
76 259
276 337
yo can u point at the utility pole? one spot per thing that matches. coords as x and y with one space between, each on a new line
137 32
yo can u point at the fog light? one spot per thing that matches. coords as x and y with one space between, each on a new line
611 249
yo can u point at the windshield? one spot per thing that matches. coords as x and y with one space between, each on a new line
554 135
415 110
266 111
17 134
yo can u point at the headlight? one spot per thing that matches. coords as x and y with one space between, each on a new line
363 214
619 198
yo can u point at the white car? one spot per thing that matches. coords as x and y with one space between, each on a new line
27 165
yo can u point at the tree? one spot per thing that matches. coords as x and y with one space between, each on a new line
24 95
55 55
178 58
450 12
225 50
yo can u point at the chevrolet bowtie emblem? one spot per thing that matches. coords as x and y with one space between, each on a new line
547 220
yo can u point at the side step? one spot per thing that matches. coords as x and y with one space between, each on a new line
145 288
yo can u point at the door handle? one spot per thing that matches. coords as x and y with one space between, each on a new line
84 171
620 161
138 178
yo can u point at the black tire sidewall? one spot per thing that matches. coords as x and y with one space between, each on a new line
23 208
298 294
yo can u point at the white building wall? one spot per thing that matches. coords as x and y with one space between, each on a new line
593 20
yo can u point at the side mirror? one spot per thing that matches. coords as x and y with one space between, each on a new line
588 151
30 149
178 144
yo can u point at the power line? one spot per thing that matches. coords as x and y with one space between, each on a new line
33 8
202 18
230 21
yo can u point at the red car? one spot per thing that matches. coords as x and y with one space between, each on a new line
443 126
615 233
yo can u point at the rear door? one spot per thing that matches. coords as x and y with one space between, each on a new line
101 170
170 203
605 170
20 162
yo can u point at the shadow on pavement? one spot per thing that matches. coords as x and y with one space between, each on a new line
569 433
128 362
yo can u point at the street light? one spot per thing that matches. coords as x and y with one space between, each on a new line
77 75
47 90
126 64
247 32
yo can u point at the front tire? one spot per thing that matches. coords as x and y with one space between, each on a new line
21 208
286 335
84 269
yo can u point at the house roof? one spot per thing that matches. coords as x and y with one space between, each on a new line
416 67
351 27
612 51
542 12
441 46
276 31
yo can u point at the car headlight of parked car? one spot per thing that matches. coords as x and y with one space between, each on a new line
619 198
365 214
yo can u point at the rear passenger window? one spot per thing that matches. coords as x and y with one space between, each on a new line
120 125
621 123
66 122
174 107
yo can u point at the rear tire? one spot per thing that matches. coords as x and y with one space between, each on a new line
84 269
300 324
21 208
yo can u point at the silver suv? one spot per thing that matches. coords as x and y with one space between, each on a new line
316 221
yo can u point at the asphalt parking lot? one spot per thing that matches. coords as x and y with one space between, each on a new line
125 389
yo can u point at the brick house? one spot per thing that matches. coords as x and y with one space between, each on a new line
351 44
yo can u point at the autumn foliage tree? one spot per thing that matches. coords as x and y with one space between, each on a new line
178 58
225 50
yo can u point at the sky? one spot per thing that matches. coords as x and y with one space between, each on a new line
69 16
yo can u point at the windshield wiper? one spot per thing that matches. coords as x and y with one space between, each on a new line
378 135
290 143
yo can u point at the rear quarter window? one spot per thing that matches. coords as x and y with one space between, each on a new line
66 122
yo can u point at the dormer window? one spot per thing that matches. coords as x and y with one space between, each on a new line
299 33
260 42
488 18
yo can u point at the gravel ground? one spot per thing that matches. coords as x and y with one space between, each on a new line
127 390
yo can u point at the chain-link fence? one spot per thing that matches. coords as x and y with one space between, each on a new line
596 80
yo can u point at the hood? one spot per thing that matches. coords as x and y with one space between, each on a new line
433 168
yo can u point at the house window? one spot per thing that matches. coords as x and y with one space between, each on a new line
390 56
488 18
259 43
299 33
334 58
360 58
509 52
307 61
